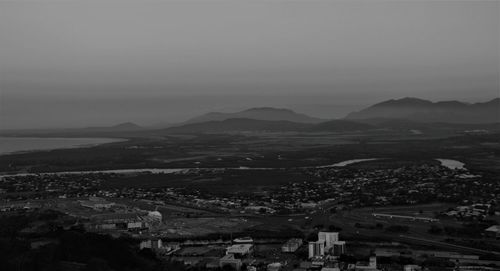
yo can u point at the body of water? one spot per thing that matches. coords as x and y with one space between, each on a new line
349 162
26 144
451 164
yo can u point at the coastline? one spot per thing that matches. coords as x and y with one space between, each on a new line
66 145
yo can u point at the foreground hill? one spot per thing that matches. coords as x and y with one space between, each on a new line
260 113
238 125
251 125
419 110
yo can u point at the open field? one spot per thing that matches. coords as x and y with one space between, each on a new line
189 227
219 181
277 150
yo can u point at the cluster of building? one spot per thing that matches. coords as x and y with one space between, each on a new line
328 244
107 218
325 251
476 211
323 255
460 260
159 246
405 185
47 186
349 186
493 231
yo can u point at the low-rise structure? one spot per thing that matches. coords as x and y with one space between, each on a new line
151 244
412 267
493 231
291 245
97 203
371 265
239 250
230 260
274 267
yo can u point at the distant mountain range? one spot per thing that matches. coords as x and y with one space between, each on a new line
400 114
419 110
407 114
258 113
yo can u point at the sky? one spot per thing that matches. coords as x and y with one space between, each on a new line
73 63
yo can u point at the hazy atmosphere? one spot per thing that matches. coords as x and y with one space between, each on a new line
73 64
249 135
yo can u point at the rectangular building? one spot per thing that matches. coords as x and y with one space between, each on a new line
316 249
291 245
328 238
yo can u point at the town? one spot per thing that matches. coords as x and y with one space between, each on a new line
448 217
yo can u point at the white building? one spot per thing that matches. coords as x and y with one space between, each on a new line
156 216
135 225
291 245
493 231
316 249
152 244
239 250
243 240
329 238
412 267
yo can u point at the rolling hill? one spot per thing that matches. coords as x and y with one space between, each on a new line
258 113
419 110
251 125
238 125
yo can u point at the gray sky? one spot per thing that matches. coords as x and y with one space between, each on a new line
79 63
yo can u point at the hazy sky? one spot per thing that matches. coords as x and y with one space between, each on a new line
79 63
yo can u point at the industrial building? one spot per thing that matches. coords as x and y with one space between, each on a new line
328 243
328 238
230 260
316 249
291 245
239 250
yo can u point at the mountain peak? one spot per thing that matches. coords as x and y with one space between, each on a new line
269 109
420 110
404 102
127 125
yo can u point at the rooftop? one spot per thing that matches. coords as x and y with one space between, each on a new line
494 228
239 248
